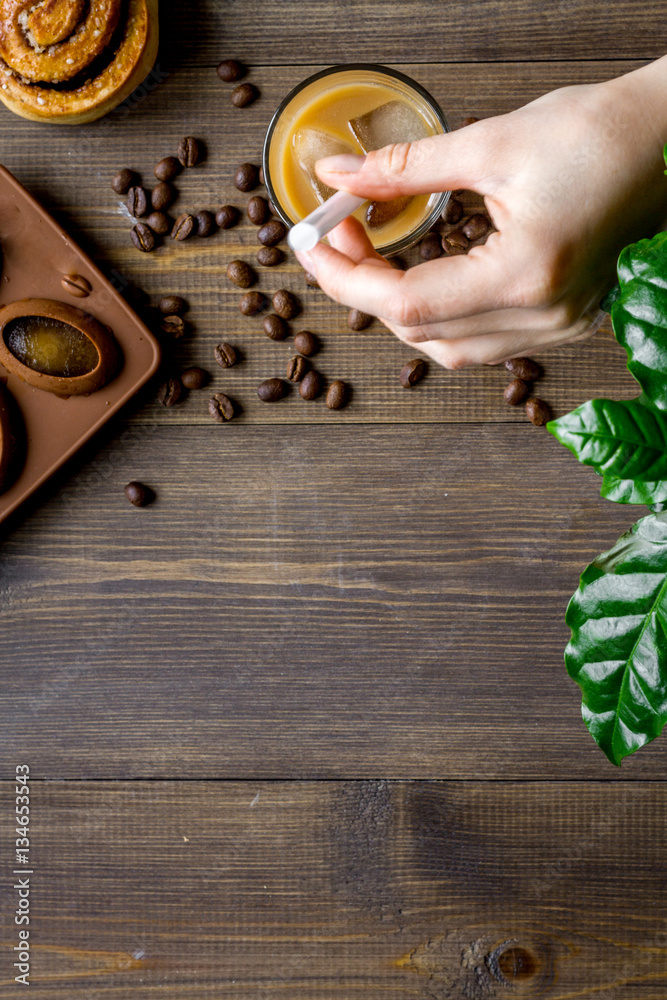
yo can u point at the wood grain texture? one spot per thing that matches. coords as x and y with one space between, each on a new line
353 890
306 602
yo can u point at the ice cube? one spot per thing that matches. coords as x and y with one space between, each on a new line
379 213
311 145
392 122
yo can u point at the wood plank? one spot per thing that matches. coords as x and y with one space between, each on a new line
386 31
306 602
81 199
351 890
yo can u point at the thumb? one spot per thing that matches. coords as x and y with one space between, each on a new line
440 163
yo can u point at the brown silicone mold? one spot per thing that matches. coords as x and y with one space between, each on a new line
40 262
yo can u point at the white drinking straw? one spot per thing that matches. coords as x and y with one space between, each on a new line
307 233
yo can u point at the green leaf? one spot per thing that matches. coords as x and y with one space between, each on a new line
629 491
618 650
624 439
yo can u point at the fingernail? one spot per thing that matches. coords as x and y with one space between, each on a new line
307 262
345 163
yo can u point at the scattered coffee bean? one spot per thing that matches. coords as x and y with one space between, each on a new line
184 227
251 303
270 256
296 368
159 223
524 368
311 385
246 177
76 285
271 232
162 196
311 280
258 210
174 326
124 180
537 411
243 95
275 327
143 237
188 151
137 202
271 390
167 168
206 224
358 320
413 372
172 305
272 208
336 395
225 355
306 343
516 392
195 378
468 121
430 248
476 227
456 241
241 274
231 70
227 216
221 407
170 392
139 494
285 304
453 211
261 175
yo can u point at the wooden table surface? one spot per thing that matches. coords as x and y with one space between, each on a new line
302 728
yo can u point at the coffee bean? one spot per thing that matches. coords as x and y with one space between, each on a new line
285 304
167 168
173 325
159 223
258 210
261 175
139 494
243 95
336 395
296 368
413 372
143 237
429 248
188 151
306 343
124 180
221 407
137 202
456 241
246 177
227 216
162 196
311 280
195 378
184 227
271 390
76 285
524 368
206 224
270 256
358 320
468 121
537 411
225 355
516 392
241 274
311 385
231 70
453 211
251 303
476 227
271 232
275 327
170 392
172 305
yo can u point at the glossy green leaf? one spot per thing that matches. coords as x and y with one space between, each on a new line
623 438
631 491
618 650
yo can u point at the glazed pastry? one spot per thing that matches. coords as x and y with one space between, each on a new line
71 61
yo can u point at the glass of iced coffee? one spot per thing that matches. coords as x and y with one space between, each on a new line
354 108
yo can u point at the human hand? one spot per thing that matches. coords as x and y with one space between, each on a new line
568 181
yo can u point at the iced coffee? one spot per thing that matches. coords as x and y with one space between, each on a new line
351 109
